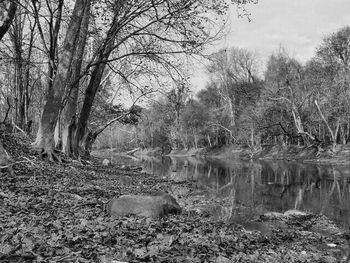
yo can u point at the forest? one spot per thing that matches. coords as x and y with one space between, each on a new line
70 70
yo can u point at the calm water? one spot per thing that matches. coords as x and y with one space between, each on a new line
261 186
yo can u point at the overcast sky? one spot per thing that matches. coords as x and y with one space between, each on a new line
297 25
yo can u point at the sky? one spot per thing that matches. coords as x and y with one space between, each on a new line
297 25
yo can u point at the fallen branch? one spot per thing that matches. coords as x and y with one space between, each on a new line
132 151
19 129
11 164
28 160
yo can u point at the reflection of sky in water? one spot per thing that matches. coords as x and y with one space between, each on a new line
267 186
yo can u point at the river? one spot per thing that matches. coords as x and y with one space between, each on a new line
262 186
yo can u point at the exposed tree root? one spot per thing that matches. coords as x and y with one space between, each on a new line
51 155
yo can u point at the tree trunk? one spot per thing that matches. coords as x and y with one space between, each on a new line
17 41
16 37
90 94
22 73
334 134
45 135
91 90
7 13
195 140
27 70
299 125
209 142
70 109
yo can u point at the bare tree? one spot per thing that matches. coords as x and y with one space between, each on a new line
229 69
285 84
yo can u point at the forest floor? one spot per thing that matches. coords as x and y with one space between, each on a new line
52 212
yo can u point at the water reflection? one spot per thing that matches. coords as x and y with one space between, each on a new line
264 186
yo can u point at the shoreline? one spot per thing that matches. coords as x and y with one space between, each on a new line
311 155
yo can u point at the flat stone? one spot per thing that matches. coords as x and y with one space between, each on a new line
154 206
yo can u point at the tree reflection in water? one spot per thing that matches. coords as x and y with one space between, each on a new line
263 186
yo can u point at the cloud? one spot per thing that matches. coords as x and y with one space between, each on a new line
297 25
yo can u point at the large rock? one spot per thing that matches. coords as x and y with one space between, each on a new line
153 206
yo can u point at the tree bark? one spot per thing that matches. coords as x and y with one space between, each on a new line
90 94
70 109
45 135
7 14
333 134
79 143
22 66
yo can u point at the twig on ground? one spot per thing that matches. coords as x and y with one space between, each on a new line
19 129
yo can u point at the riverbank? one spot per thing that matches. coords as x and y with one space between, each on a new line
339 155
312 154
52 212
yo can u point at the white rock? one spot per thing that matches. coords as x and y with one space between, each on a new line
106 162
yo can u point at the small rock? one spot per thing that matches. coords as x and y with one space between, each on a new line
221 259
106 162
152 206
331 245
127 180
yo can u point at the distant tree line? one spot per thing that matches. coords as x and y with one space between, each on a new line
292 103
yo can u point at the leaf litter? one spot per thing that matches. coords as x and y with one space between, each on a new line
53 212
